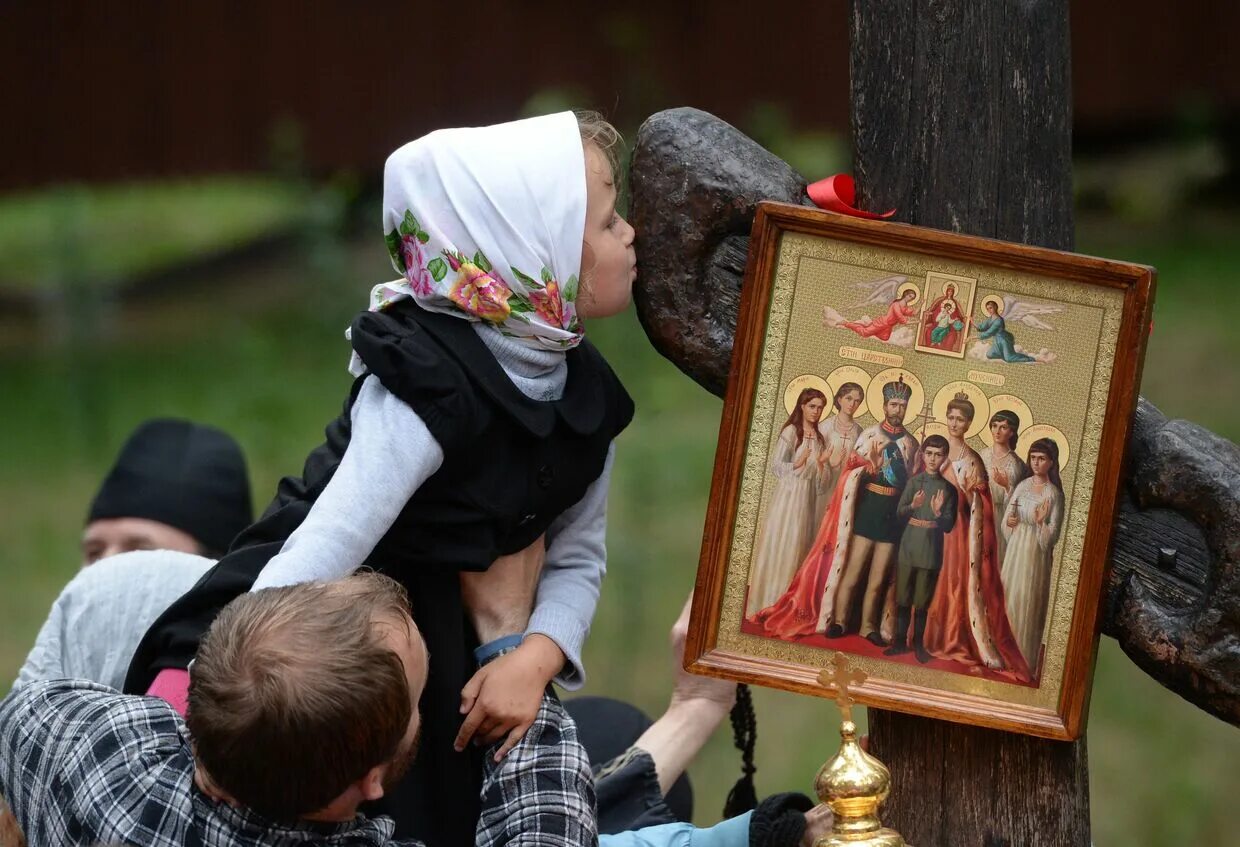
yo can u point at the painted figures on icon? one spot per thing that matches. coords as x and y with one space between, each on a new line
944 324
894 293
921 545
806 465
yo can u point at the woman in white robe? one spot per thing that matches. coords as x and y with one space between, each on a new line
840 433
792 516
1003 467
1034 518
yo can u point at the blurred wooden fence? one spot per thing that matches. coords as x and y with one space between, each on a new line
103 91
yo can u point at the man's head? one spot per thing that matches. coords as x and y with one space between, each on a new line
933 452
895 401
176 485
303 699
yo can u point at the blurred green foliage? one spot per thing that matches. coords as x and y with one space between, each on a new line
260 352
114 233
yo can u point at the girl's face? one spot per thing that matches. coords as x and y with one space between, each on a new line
957 423
813 410
608 261
1039 463
849 403
1001 431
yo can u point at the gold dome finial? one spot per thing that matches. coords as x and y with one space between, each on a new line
853 783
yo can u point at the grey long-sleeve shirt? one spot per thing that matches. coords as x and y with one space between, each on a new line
391 453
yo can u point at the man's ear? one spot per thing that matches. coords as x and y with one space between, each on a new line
370 786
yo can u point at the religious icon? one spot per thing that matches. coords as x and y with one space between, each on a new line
884 492
944 322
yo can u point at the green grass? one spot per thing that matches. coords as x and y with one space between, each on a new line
116 232
262 356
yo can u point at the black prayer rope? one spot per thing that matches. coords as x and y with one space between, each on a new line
743 795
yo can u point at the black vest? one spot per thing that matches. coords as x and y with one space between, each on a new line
511 466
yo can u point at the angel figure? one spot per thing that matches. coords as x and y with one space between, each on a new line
993 331
897 293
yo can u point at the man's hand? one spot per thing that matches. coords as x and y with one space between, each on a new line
503 697
818 822
500 599
875 456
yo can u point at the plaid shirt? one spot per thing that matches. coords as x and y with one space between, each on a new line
82 764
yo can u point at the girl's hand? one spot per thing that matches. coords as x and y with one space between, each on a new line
1001 478
802 455
1041 512
1012 519
503 697
918 498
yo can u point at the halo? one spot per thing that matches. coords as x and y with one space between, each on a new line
874 394
993 298
799 384
841 375
1037 431
1011 403
981 405
909 286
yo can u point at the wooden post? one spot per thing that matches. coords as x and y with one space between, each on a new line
961 114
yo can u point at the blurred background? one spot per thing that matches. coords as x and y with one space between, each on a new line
189 219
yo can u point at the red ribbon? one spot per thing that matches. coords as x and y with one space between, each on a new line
838 194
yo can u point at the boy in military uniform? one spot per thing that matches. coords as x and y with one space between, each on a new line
928 504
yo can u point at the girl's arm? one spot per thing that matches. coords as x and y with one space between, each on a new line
785 454
1013 508
390 454
988 329
1048 533
569 586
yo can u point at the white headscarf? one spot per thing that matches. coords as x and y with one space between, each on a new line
486 224
100 617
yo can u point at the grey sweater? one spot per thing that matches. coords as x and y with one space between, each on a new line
391 453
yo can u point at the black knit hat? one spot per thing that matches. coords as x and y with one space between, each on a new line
183 474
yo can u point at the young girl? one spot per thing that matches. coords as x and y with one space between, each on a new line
1033 520
480 422
791 518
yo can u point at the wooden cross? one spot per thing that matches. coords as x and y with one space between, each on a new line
970 123
839 676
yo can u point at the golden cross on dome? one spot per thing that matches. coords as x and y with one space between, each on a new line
839 677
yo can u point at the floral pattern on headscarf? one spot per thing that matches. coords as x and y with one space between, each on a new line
477 288
487 224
